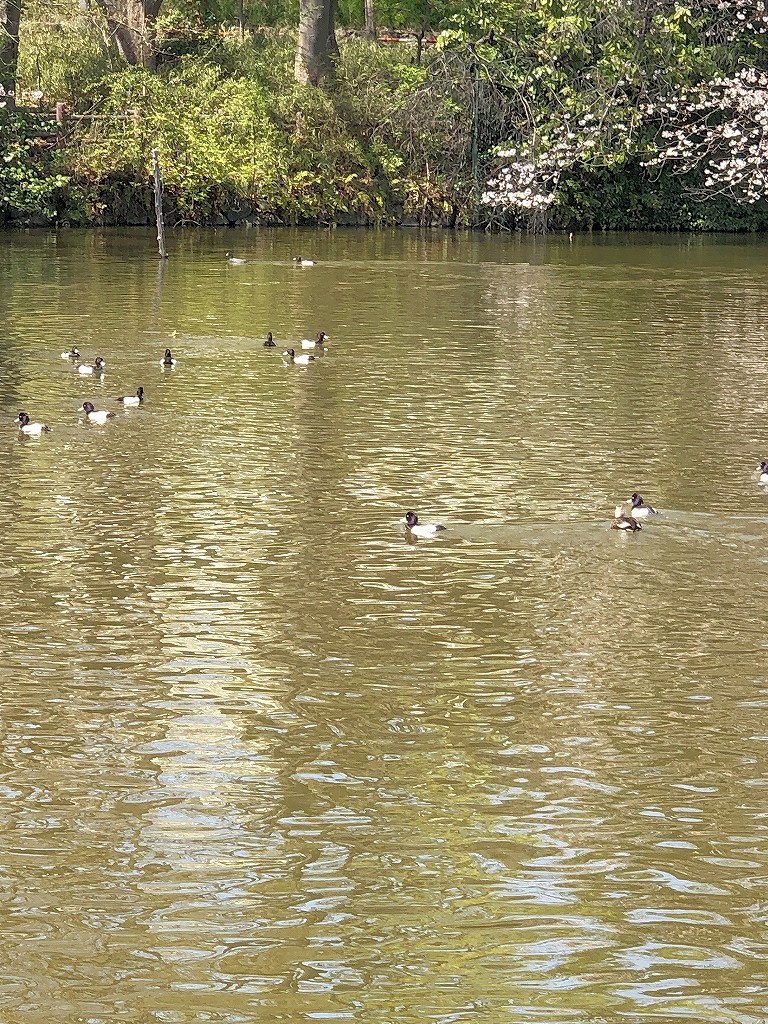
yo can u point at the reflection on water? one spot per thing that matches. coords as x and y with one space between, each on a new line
265 758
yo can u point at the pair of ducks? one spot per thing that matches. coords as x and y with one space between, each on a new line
290 354
101 416
33 428
237 261
319 341
638 510
97 366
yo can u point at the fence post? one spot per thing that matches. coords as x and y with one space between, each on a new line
159 206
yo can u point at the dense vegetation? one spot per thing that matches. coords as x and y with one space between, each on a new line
526 113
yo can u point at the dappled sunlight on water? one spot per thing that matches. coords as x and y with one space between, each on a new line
266 756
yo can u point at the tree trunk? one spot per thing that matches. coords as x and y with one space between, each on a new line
129 22
10 19
370 20
317 41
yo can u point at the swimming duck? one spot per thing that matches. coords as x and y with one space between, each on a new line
73 354
97 366
624 522
418 529
167 359
639 509
303 360
133 400
235 260
317 343
29 428
762 471
96 415
301 262
269 343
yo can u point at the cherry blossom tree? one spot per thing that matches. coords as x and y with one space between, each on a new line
627 103
720 127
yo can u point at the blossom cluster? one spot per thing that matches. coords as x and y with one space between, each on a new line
723 128
523 184
733 18
719 128
527 180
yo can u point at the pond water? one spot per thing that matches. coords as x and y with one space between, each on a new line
265 757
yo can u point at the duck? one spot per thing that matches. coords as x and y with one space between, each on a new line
639 509
73 354
96 415
624 522
301 262
418 529
167 359
762 471
235 261
303 360
97 366
133 400
269 343
317 343
26 426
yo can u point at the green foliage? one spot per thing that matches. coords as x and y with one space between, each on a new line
61 50
388 137
241 133
401 14
627 200
30 186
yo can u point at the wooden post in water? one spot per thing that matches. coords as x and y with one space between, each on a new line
159 206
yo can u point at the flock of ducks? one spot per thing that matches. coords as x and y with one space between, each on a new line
33 428
238 261
289 355
626 519
304 359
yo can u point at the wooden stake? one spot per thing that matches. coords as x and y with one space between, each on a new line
159 206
